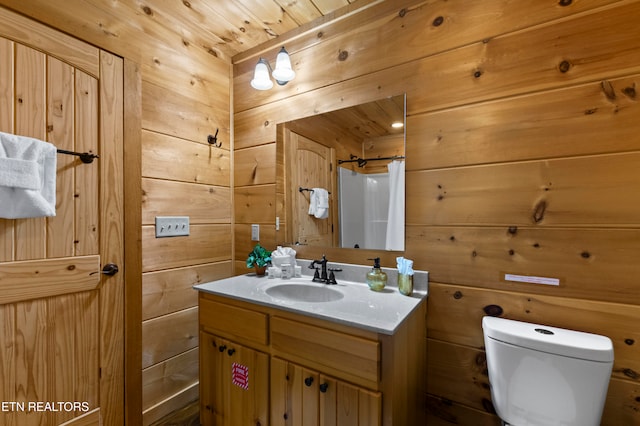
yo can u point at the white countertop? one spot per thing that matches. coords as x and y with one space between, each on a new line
359 306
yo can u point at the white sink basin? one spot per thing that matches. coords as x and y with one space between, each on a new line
304 292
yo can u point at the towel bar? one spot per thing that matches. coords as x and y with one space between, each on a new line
308 189
362 161
85 157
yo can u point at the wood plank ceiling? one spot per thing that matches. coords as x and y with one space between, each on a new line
234 26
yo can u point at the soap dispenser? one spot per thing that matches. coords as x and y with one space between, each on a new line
376 278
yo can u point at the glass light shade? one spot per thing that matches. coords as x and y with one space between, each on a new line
261 79
283 72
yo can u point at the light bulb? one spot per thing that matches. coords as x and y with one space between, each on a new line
283 73
261 80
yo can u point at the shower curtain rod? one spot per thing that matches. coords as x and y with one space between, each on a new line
362 161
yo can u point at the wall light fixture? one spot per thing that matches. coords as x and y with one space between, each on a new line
282 74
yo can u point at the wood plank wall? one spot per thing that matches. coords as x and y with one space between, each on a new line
522 157
185 97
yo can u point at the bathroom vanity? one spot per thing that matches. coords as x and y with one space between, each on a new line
293 352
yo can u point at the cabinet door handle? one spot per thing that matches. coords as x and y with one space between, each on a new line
222 348
231 351
324 387
308 381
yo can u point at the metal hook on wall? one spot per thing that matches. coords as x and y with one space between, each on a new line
213 140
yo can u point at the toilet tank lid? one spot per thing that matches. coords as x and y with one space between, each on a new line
559 341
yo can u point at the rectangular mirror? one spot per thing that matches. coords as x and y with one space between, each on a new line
341 177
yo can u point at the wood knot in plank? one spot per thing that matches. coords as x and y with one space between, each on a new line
564 66
631 374
147 10
343 55
438 21
630 91
493 310
186 3
513 230
608 90
457 295
538 211
629 341
402 13
565 2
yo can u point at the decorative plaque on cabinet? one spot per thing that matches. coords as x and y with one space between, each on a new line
240 375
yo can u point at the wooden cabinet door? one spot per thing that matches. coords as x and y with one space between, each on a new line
294 395
61 320
303 397
235 384
343 404
211 382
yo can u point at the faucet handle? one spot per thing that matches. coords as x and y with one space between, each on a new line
332 276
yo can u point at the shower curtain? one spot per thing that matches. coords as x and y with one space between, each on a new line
395 223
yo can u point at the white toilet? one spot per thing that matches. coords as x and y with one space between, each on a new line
543 375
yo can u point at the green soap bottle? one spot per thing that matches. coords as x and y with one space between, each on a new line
376 278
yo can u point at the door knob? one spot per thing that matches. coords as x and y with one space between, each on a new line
110 269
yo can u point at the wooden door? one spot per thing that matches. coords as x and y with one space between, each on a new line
309 165
61 320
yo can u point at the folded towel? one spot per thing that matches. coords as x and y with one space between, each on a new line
27 177
321 203
313 203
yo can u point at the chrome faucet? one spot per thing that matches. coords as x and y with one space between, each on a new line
322 277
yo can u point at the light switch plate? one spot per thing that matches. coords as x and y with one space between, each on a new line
255 232
172 226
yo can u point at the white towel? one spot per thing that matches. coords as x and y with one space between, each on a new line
313 203
321 210
27 177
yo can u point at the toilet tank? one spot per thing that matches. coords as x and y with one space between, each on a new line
542 375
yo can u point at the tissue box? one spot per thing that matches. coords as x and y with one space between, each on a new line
277 260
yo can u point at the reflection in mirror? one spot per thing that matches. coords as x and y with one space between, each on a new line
341 177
